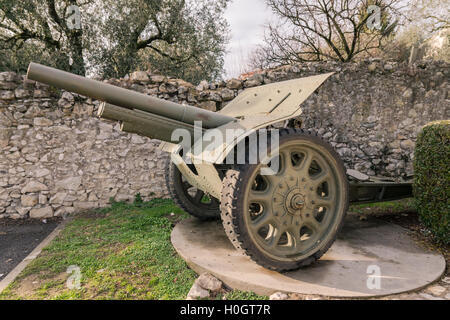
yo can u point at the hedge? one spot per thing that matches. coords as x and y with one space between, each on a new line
432 178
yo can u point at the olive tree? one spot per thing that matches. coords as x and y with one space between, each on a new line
178 37
110 38
42 30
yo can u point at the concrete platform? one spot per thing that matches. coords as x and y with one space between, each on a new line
363 247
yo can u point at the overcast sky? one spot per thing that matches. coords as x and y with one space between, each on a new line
246 19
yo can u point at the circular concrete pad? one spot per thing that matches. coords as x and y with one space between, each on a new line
370 258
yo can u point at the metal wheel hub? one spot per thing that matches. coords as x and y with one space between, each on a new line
294 202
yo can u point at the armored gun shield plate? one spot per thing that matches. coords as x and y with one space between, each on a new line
280 100
256 108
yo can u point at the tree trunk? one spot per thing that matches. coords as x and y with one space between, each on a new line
76 51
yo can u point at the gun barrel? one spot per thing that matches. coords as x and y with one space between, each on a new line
144 123
125 98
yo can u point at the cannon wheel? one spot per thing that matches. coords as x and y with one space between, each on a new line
288 220
190 199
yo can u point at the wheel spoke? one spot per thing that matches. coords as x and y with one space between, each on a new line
258 196
294 233
306 163
323 202
263 220
320 178
286 163
275 238
198 196
315 226
186 185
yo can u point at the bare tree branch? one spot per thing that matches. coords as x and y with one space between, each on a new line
324 30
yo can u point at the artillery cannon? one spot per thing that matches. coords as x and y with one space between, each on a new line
282 202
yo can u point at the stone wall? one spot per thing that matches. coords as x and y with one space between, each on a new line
56 158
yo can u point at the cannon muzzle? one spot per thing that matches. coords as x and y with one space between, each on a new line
125 98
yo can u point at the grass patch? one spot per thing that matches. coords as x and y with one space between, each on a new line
390 207
122 252
244 295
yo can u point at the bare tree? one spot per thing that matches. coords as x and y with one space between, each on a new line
431 15
324 30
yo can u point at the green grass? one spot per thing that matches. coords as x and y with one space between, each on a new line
390 207
242 295
124 252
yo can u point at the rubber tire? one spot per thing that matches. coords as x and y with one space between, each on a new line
232 208
204 212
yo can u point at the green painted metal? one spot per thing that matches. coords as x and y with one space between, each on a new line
260 107
273 102
125 98
145 115
143 123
